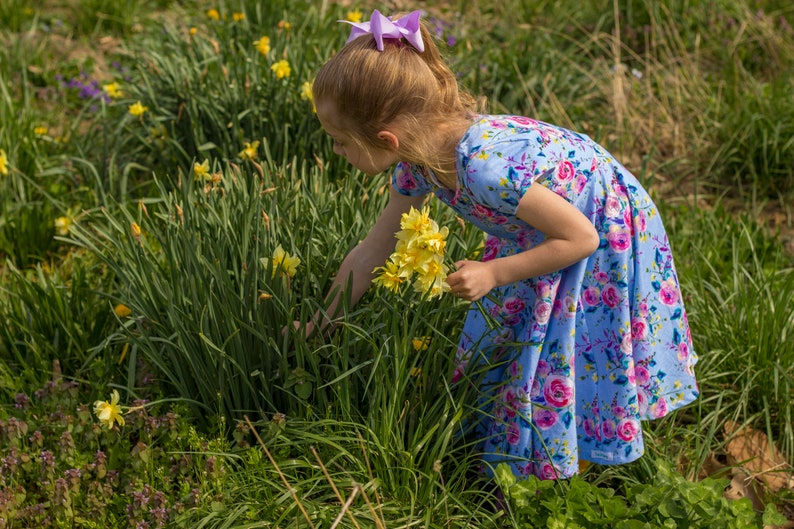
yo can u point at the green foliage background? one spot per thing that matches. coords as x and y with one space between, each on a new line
695 97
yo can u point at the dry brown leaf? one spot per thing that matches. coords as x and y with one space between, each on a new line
750 449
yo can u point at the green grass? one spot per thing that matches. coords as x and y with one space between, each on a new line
696 98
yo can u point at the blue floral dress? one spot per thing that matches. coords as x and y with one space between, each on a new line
583 355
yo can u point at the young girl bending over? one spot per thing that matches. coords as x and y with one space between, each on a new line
594 338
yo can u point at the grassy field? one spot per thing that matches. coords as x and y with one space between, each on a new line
160 167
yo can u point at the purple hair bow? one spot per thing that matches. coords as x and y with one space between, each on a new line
382 27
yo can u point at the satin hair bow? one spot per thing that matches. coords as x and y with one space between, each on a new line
382 27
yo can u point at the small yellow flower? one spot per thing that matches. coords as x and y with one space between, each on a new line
135 230
263 45
307 94
283 24
264 296
421 343
192 31
213 14
121 310
3 163
109 412
40 130
390 276
62 225
137 109
282 69
201 171
283 262
354 16
249 152
238 17
416 371
113 90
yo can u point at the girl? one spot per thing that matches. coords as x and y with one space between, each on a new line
593 337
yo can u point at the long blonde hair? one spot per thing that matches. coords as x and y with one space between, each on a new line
415 90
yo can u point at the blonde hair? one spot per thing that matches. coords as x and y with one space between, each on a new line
413 90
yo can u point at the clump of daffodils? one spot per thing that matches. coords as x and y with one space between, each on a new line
418 257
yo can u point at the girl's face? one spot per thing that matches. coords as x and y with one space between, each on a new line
370 160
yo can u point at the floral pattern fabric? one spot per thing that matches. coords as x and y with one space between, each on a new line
583 354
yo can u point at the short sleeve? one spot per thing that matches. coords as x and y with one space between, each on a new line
408 181
498 176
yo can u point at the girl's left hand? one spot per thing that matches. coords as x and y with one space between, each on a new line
472 280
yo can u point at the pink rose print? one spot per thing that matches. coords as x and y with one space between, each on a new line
639 328
545 419
659 408
639 222
590 428
523 121
542 312
513 434
642 401
642 375
547 471
499 219
612 206
643 308
565 171
683 351
543 368
610 295
580 183
491 248
535 391
630 373
619 412
592 296
514 305
668 293
619 238
601 277
608 429
405 180
628 429
558 391
626 346
594 164
481 211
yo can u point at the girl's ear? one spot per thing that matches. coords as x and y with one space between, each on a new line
389 139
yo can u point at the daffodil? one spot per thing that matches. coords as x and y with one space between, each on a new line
281 69
62 225
137 109
391 276
135 231
109 413
41 130
421 343
192 31
238 17
284 24
201 171
214 14
249 152
263 45
113 90
121 310
283 262
3 163
354 16
307 94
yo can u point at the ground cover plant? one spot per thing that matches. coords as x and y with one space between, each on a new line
170 205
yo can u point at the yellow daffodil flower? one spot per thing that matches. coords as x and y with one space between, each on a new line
135 230
249 152
281 69
137 109
390 276
283 24
109 412
421 343
3 163
201 171
121 310
192 31
40 130
213 14
354 16
283 262
238 17
263 45
113 90
62 225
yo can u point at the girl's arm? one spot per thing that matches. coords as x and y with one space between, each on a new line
570 237
357 267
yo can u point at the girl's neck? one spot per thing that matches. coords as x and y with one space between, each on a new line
449 139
